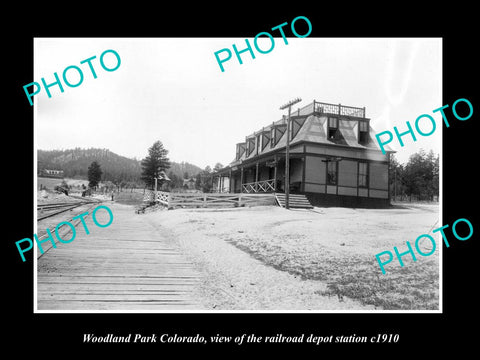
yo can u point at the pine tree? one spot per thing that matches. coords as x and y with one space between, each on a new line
218 166
154 163
94 174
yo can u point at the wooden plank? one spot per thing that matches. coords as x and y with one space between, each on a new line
126 266
87 305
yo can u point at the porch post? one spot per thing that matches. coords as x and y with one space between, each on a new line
241 179
230 181
256 176
275 173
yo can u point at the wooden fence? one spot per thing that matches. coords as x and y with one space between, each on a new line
173 200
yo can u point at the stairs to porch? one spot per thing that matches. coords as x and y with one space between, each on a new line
297 201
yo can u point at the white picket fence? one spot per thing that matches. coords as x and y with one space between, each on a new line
172 200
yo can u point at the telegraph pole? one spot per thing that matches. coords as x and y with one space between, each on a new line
287 151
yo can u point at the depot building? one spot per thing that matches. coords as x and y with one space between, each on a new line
334 159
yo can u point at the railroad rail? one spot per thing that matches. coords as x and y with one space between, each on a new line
57 208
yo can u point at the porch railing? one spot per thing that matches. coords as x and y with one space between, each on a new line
259 186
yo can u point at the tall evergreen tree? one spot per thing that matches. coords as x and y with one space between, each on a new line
420 175
94 174
156 162
218 166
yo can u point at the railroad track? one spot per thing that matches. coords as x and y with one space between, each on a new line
53 209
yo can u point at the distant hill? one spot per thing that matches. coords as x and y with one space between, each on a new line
75 162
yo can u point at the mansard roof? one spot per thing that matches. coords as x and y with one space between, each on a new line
313 128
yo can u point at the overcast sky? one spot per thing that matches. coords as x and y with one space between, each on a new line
172 90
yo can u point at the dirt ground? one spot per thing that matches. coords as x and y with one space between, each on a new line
270 258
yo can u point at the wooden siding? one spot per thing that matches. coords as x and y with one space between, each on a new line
379 194
314 170
346 152
378 176
263 173
315 178
347 191
314 188
362 192
331 189
347 173
296 170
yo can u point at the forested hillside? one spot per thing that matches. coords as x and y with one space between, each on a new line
115 168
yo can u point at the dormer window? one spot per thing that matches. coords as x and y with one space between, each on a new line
332 127
297 124
265 139
362 132
277 133
240 150
250 145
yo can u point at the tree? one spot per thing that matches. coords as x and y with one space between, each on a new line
94 174
218 166
396 178
154 163
420 175
175 181
204 180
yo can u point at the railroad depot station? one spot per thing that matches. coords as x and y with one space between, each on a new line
334 159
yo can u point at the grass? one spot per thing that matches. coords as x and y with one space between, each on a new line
357 276
413 287
336 246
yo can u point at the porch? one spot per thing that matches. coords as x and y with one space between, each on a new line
262 176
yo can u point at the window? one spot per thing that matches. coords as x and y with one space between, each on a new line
332 127
297 124
250 146
240 150
265 139
332 172
362 132
277 133
362 174
258 143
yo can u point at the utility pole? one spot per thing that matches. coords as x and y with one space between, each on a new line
287 151
395 183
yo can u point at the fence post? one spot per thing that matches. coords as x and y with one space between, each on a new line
204 200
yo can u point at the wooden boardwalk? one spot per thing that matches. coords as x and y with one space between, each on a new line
125 266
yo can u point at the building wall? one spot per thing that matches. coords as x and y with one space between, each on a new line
314 174
347 178
346 152
313 178
296 170
347 173
378 186
263 173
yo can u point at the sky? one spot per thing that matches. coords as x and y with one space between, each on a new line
172 90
